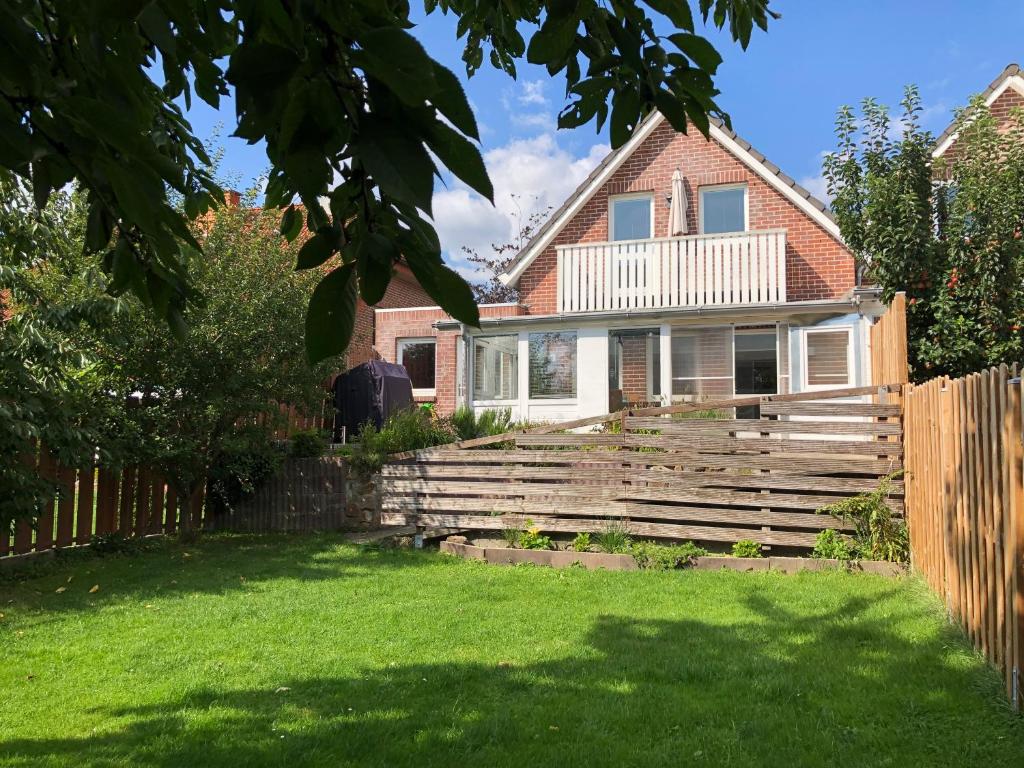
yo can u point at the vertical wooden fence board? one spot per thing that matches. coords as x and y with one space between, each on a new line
66 476
127 506
171 519
45 521
86 502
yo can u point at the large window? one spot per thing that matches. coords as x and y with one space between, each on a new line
702 363
553 364
634 367
417 355
827 354
631 217
723 209
495 367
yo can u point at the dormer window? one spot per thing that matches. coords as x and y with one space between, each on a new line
723 209
631 217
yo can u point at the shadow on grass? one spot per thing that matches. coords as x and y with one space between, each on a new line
216 564
779 688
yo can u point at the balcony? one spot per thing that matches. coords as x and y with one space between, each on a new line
663 273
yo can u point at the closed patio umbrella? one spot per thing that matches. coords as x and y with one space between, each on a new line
677 206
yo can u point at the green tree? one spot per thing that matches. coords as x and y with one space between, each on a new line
355 114
46 388
946 234
184 405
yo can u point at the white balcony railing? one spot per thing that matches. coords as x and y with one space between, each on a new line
689 271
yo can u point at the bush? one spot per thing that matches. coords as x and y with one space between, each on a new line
469 424
665 557
614 539
746 548
581 543
246 460
830 545
403 431
307 444
879 534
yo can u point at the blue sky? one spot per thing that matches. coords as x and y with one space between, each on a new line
782 94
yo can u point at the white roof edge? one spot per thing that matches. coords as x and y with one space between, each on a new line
719 135
1015 81
622 154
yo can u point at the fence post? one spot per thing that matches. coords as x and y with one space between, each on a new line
1013 423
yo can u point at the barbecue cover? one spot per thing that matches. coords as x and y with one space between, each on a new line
370 393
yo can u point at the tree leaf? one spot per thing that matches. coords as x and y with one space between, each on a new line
375 259
444 285
461 158
397 162
451 101
701 51
397 59
553 41
314 251
677 11
291 223
331 316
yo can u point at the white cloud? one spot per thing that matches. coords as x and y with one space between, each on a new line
532 92
817 186
529 175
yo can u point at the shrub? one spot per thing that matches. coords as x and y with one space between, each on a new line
830 545
512 536
746 548
531 538
403 431
614 539
581 543
468 424
246 460
307 444
665 557
879 534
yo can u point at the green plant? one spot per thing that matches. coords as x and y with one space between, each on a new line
307 444
408 430
831 545
246 460
581 543
746 548
879 533
468 424
614 539
512 536
533 539
664 557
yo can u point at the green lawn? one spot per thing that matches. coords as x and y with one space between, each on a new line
293 652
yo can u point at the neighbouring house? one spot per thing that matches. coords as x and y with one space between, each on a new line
681 269
1003 95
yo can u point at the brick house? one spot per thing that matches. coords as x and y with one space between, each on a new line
1004 94
750 290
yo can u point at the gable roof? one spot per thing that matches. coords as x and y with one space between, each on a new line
728 139
1011 77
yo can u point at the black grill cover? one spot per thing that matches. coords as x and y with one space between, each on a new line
370 392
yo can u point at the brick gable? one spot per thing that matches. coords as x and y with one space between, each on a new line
817 265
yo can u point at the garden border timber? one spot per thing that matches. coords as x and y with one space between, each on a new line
665 410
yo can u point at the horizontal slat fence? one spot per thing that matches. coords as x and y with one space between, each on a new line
94 501
964 490
662 476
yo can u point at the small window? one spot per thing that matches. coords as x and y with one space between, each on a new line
631 217
828 358
495 367
553 365
417 355
723 209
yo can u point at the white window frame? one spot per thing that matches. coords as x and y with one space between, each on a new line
400 344
472 372
747 330
807 333
612 199
722 188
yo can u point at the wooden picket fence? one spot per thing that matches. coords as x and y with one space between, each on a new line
655 475
889 343
94 501
965 447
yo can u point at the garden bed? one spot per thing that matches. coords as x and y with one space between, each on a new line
555 558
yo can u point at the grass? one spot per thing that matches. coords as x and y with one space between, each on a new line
305 651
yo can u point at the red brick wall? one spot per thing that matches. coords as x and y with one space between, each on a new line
419 323
1000 108
817 266
403 291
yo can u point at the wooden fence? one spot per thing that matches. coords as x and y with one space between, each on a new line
889 344
662 476
964 491
132 501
